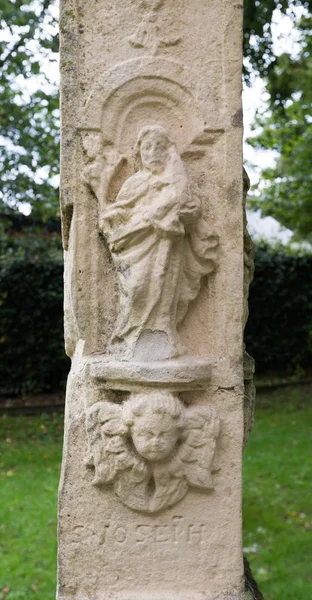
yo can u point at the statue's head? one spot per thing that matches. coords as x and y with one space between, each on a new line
155 424
154 146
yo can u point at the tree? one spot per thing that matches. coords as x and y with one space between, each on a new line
29 121
286 191
258 44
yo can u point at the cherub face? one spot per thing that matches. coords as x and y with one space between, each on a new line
154 435
154 151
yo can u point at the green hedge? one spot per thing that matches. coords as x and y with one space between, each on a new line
32 359
279 330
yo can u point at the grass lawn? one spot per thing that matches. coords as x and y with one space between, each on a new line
29 470
278 494
277 507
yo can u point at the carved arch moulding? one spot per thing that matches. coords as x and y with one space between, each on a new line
156 83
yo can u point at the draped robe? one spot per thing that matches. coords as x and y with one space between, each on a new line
161 249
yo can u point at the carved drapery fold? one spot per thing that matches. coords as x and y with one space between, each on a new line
160 244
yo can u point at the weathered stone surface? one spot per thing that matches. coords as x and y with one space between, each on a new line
156 284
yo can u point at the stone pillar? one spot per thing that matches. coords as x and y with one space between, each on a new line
152 187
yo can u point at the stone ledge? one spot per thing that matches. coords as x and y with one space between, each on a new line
185 373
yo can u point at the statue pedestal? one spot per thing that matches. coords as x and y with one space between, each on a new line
185 373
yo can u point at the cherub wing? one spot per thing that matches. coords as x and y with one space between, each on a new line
106 434
197 451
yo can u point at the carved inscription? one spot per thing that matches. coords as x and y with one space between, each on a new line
152 449
163 534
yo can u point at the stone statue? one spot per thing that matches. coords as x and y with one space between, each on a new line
160 244
151 449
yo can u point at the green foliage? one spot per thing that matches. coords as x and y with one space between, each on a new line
26 238
279 330
286 127
29 120
32 355
258 46
32 245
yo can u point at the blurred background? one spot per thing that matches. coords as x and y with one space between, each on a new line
33 366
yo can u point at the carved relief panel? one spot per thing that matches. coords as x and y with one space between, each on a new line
138 146
152 448
143 148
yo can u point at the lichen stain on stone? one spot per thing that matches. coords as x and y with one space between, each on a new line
237 119
232 192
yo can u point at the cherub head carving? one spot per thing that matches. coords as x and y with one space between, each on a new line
151 438
155 427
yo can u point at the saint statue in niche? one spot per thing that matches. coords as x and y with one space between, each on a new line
151 448
160 244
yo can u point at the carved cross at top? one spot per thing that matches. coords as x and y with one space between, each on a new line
147 34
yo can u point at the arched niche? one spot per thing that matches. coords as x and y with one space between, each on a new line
141 92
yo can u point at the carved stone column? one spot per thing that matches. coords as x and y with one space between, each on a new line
152 187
